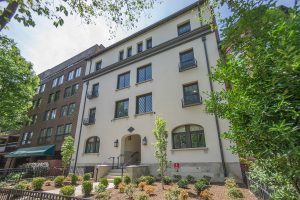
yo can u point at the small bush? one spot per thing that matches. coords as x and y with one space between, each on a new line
87 176
22 185
200 185
48 183
74 179
149 189
117 181
230 182
142 196
68 178
167 180
80 178
182 183
104 182
206 195
100 188
121 187
172 194
129 190
15 176
148 179
141 185
67 190
103 195
3 184
234 193
37 183
184 195
190 178
127 179
87 187
58 181
176 178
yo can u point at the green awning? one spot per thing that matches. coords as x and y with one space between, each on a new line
47 150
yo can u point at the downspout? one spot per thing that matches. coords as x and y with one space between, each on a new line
82 116
216 118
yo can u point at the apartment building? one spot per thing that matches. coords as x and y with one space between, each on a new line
53 114
161 70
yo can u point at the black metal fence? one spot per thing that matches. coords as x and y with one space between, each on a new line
13 194
261 191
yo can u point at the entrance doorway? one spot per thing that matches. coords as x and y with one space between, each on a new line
131 149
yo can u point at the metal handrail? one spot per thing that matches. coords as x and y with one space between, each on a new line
91 94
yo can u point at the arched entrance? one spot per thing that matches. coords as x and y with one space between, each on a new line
131 149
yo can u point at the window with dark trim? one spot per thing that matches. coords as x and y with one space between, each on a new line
78 72
61 79
121 55
26 138
92 145
123 80
140 47
98 65
144 73
45 136
149 43
187 59
63 131
64 111
184 28
95 90
92 115
33 119
144 103
121 108
71 75
71 108
191 94
129 52
72 90
188 136
54 82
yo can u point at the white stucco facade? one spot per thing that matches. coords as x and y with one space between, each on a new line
166 87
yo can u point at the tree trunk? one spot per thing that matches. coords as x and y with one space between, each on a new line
8 13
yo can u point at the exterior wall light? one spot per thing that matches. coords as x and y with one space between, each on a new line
116 143
144 141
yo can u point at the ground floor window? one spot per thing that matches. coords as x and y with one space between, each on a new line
92 145
188 136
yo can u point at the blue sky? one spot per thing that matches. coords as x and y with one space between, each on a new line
46 46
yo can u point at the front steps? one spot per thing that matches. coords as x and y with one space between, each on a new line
115 173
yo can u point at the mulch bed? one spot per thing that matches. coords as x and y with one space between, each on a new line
218 191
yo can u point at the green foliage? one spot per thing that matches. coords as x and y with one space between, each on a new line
106 195
127 179
172 193
160 145
117 181
104 181
17 85
176 178
167 180
182 183
190 178
22 185
15 176
148 179
36 169
67 150
87 187
230 182
87 176
141 196
58 181
74 179
37 183
129 190
100 188
200 185
262 73
3 184
68 190
234 193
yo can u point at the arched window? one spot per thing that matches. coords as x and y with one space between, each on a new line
92 145
188 136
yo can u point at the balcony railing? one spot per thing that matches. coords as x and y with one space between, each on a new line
91 95
88 121
191 100
187 65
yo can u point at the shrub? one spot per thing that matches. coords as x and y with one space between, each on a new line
200 185
117 181
183 195
87 176
230 182
103 195
129 190
87 187
80 178
149 189
74 179
190 178
3 184
234 193
100 188
142 196
121 187
67 190
167 180
182 183
22 185
68 178
172 194
141 185
15 176
148 179
37 183
176 178
127 179
36 169
48 183
206 195
58 181
104 181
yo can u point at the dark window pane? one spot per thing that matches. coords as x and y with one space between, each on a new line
129 52
121 55
92 145
191 94
123 80
187 59
184 28
140 47
98 65
144 74
144 104
180 140
122 108
149 43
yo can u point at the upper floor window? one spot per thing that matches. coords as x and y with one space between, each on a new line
67 110
72 108
92 145
191 94
38 89
36 103
144 73
121 55
61 79
149 43
144 103
123 80
26 138
129 52
188 136
77 72
95 90
75 88
64 111
54 82
45 136
50 114
140 47
184 28
33 119
92 116
187 60
53 97
121 108
98 65
72 90
63 131
70 75
43 88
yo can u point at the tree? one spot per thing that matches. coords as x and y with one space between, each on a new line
260 65
122 12
67 150
17 85
160 146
